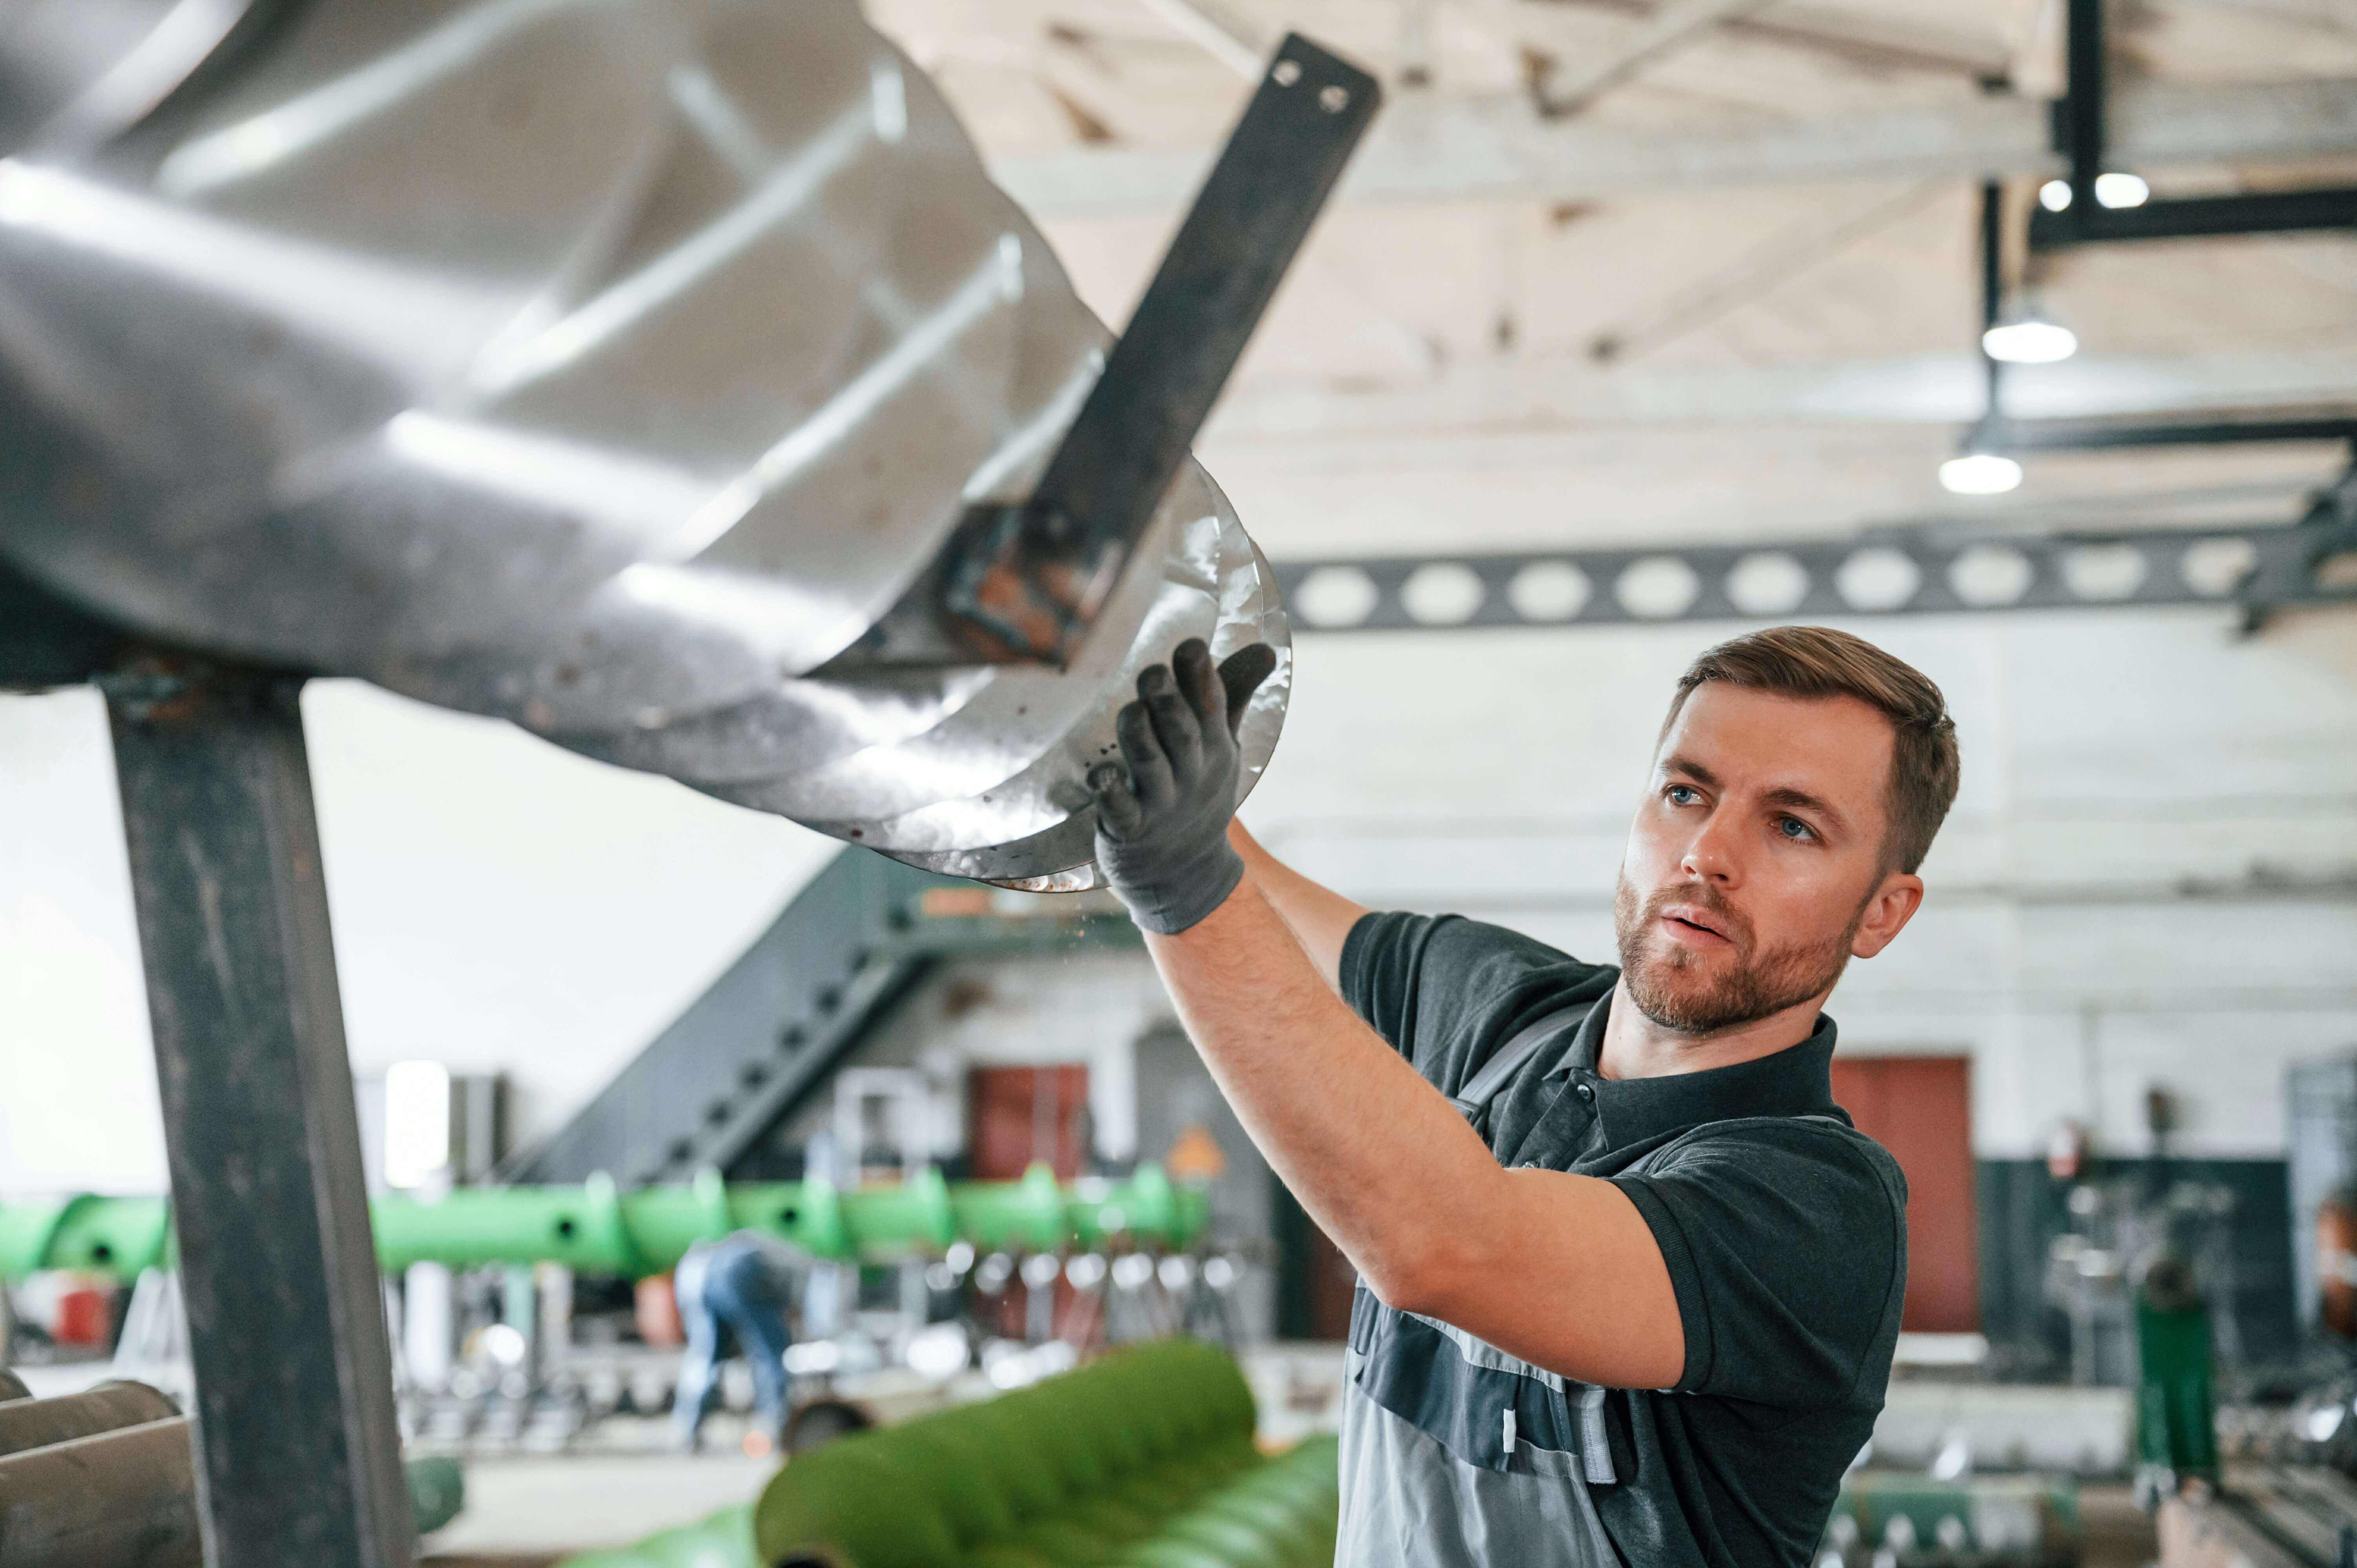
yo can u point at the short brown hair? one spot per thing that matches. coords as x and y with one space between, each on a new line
1818 662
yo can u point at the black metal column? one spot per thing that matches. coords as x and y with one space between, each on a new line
299 1452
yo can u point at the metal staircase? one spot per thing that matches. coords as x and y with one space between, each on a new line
767 1035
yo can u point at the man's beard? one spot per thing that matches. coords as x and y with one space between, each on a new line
1668 987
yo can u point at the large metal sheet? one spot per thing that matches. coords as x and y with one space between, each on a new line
605 365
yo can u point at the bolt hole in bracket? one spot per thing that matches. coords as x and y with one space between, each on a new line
1024 583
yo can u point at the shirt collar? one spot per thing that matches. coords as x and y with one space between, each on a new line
1794 1082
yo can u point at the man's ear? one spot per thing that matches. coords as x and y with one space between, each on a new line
1893 904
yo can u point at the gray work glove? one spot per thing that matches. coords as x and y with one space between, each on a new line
1162 821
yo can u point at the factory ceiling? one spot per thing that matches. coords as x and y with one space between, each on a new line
1709 271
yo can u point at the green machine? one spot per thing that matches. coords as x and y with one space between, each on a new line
597 1229
1144 1459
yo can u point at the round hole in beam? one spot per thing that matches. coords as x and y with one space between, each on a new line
1335 596
1657 587
1549 591
2103 572
1990 575
1443 593
2216 567
1878 579
1768 582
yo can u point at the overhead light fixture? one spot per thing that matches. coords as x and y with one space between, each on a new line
2029 337
2122 190
1979 474
2114 190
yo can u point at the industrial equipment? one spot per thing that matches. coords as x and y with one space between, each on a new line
107 1475
418 345
617 369
595 1228
1144 1459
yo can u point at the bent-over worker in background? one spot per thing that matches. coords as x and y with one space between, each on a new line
1630 1280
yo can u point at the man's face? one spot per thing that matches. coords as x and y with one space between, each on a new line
1754 869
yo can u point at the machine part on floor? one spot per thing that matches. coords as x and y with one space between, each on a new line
597 1229
819 1421
372 375
2177 1414
437 1492
285 1309
1991 1521
112 1484
123 1499
30 1423
1144 1458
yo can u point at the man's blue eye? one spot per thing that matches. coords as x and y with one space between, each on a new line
1793 828
1681 794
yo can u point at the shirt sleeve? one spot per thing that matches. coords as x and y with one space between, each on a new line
1786 1244
1436 986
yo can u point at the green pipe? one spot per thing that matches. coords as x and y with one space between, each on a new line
597 1229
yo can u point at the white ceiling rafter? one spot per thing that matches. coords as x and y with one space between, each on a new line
1443 149
1538 392
1571 85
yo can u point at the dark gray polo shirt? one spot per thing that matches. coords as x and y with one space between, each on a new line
1784 1231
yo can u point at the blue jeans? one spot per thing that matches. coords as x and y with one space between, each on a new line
728 1294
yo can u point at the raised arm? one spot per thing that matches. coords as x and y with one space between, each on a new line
1319 917
1560 1270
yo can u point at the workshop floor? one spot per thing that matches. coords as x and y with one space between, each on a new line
2113 1532
527 1512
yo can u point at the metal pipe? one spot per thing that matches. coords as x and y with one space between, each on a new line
115 1499
595 1229
286 1310
2087 71
30 1423
1992 289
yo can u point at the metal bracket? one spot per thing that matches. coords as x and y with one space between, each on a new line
1023 582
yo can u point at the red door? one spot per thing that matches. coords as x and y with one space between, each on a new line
1018 1114
1920 1108
1015 1116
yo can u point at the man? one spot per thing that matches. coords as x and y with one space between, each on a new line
736 1288
1632 1299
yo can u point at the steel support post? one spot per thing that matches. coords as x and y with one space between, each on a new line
300 1463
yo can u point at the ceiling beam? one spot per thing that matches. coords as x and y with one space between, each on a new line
1442 149
1674 24
1539 392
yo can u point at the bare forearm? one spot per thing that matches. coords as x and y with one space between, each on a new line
1557 1269
1319 917
1326 1101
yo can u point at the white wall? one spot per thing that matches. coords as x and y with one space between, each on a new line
2150 876
499 905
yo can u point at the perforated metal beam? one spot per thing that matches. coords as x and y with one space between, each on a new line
2259 569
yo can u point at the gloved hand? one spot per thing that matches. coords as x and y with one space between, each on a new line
1162 821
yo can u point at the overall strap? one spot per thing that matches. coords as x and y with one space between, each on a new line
1474 1099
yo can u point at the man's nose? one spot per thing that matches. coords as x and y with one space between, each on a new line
1711 855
